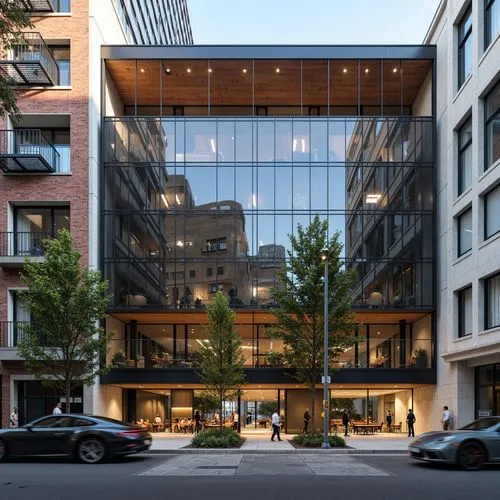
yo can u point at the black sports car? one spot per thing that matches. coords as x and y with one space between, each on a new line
88 438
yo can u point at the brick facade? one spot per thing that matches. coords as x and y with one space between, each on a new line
73 188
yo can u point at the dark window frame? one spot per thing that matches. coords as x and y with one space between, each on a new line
52 208
461 312
463 38
462 148
489 37
460 253
486 282
488 119
485 200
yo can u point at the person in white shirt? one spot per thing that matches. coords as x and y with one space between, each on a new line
57 409
275 421
446 418
13 419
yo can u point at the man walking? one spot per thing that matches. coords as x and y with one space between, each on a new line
345 422
445 418
307 417
57 409
275 420
13 419
410 420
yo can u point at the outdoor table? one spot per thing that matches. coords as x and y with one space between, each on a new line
366 428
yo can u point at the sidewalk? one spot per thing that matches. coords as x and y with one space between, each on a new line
261 443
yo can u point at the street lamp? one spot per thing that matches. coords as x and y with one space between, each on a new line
325 444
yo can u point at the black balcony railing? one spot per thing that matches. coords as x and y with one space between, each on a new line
27 150
22 244
11 332
38 5
30 63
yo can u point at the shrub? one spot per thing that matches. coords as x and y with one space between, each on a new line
315 440
216 439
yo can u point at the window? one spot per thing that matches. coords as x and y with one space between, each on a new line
492 20
465 156
62 56
465 232
192 274
492 126
465 312
60 139
220 270
62 5
216 244
214 287
492 302
491 213
465 47
209 272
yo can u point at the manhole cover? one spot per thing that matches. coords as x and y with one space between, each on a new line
217 467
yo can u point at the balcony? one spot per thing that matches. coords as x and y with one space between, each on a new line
30 63
11 332
32 6
16 246
27 151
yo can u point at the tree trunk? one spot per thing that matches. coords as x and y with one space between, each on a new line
68 397
221 404
313 410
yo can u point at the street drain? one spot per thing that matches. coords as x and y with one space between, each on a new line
217 467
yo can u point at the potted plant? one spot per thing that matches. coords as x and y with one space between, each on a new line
379 362
274 358
421 358
119 360
412 362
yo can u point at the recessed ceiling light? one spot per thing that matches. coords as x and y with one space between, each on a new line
210 70
168 71
344 70
189 70
142 70
244 70
277 70
367 70
395 70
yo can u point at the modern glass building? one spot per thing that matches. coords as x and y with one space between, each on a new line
211 156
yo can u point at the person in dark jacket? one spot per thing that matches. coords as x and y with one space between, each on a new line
345 422
410 420
307 417
197 421
388 421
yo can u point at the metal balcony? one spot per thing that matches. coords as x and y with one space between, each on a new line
30 63
38 6
15 246
27 151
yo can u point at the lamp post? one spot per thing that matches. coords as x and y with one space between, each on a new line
325 444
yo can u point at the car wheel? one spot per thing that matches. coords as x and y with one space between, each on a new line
91 450
471 456
3 451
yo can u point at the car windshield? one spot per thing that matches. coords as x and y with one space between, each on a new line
481 425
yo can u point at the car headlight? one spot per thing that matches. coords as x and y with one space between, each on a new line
441 440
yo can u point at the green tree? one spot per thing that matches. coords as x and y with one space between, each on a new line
221 359
266 408
300 310
13 19
64 346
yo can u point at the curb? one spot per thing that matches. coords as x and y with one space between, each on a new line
295 451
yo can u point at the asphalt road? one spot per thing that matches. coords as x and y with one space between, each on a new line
134 478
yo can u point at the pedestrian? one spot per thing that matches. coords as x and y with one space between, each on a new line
388 421
197 421
236 419
57 409
345 422
445 418
307 417
410 420
13 420
275 420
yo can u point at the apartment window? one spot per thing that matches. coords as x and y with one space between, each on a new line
62 5
492 301
192 274
216 245
491 213
492 21
209 272
465 156
465 47
60 139
465 312
492 126
465 232
220 271
62 56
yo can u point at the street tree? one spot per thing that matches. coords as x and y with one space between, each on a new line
63 345
221 358
300 299
13 19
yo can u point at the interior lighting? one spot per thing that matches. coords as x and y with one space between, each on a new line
367 70
277 70
210 70
395 70
164 199
189 70
168 71
179 243
212 145
142 70
373 198
344 70
244 70
294 146
177 199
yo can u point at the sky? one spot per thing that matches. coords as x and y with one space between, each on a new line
310 22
